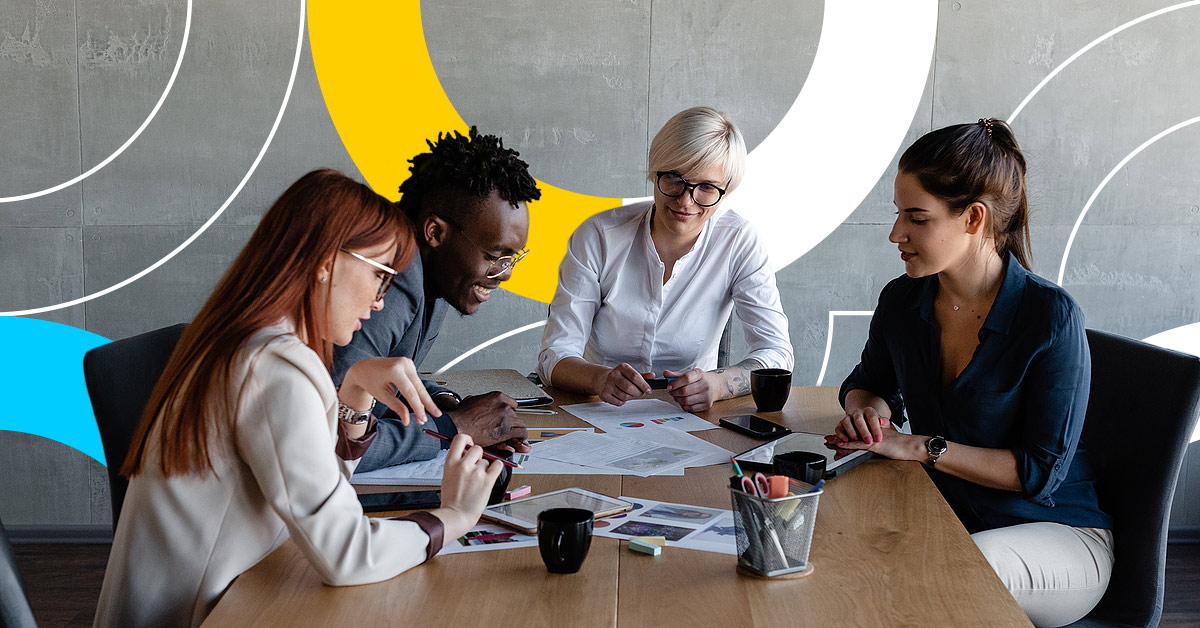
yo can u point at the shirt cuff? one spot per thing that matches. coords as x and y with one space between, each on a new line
353 448
431 526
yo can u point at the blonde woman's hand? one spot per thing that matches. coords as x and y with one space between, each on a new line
387 380
467 480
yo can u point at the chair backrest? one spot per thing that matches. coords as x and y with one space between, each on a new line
14 606
1143 407
120 376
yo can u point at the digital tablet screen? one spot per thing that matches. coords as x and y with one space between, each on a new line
526 510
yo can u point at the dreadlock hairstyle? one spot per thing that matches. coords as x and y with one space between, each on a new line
977 162
459 172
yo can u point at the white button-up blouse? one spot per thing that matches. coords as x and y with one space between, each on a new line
612 306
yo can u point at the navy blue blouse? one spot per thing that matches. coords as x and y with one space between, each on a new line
1025 389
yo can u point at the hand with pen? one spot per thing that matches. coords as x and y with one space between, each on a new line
467 480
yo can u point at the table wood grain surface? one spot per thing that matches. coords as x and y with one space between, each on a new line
887 551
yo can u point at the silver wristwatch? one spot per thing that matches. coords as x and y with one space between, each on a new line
936 446
353 417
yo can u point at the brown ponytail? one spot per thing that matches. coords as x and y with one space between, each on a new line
979 162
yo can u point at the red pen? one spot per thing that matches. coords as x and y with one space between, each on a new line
442 436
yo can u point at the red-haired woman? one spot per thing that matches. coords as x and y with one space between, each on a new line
245 442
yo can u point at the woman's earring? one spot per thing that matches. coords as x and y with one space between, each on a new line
324 279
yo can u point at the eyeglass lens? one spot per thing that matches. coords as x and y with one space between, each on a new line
673 185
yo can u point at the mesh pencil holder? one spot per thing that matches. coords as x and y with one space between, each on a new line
774 535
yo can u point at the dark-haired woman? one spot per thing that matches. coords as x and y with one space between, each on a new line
990 364
245 442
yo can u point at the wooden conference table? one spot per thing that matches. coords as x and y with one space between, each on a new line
887 551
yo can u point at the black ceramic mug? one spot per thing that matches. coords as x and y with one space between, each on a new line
770 388
805 466
564 536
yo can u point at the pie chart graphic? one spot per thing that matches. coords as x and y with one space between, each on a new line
633 425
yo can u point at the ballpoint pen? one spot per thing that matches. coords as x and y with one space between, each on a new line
535 411
487 455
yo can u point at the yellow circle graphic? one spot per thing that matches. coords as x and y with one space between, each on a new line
385 100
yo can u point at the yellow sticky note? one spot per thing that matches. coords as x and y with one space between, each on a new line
660 541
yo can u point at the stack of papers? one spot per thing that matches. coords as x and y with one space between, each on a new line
644 437
423 473
663 451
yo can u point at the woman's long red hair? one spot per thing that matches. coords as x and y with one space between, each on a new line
274 277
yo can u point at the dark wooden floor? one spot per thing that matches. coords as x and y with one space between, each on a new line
63 583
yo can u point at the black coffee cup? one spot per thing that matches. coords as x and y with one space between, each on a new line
564 536
805 466
770 388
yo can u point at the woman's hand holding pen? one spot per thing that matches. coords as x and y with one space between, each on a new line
467 480
384 379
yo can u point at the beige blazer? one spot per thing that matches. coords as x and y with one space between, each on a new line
181 541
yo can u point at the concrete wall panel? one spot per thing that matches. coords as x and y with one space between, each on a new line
590 137
39 102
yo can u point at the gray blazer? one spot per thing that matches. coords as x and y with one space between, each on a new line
405 327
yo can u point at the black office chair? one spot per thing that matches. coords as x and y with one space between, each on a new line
14 606
120 376
1137 388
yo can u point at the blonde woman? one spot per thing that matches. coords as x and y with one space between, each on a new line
644 290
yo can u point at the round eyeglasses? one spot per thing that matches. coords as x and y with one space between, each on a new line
703 194
388 272
499 265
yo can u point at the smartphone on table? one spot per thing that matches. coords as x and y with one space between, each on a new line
757 427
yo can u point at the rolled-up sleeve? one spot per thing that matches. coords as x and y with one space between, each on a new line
1058 383
757 304
575 302
876 371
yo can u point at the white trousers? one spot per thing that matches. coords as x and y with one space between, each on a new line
1057 573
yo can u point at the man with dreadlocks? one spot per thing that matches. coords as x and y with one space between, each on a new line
466 198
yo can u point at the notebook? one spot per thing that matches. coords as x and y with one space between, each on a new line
478 382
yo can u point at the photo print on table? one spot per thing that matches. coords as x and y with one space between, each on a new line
645 528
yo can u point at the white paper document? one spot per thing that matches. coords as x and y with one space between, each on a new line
691 527
423 473
637 413
628 455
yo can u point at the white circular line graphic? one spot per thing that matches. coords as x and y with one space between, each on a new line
254 166
1078 221
187 29
1095 42
451 363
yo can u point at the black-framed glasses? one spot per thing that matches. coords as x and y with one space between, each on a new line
388 270
499 265
703 194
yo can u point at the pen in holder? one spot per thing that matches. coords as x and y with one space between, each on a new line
774 535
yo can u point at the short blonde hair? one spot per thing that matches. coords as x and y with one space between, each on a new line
695 140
